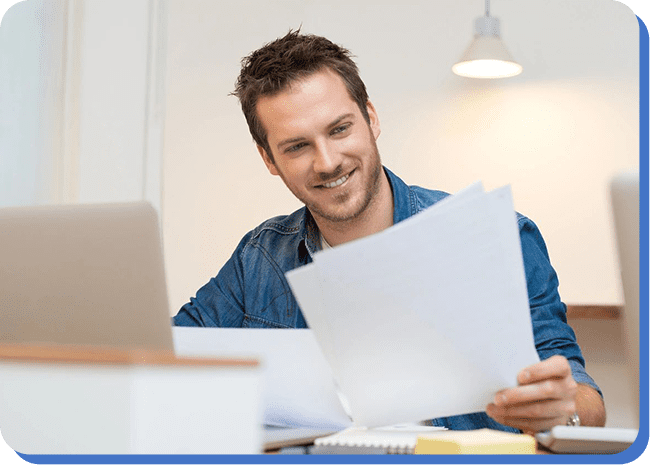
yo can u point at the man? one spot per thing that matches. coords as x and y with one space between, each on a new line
315 128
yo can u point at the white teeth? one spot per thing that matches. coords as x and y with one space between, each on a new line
338 182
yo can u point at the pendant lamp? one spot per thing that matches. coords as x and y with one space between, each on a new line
487 56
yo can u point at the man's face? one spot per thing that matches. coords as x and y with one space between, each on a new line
323 148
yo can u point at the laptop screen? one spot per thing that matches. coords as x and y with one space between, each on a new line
83 274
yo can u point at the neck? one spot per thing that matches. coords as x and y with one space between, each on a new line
377 217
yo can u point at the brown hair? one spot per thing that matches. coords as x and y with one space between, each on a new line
272 68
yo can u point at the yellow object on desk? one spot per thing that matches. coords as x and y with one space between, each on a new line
482 441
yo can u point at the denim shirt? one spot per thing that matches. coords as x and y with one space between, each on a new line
251 291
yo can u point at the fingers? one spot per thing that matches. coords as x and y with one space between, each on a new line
538 411
549 389
528 424
534 413
544 398
535 416
556 366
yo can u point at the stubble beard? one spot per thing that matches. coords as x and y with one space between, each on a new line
370 191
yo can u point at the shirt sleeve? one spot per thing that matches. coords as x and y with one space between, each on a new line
553 335
220 302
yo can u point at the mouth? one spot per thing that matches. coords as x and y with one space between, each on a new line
336 183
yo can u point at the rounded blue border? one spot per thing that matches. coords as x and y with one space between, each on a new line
632 453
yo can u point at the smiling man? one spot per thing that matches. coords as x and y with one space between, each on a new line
315 127
324 149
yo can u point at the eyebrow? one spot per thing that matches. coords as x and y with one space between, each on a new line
329 126
339 119
290 141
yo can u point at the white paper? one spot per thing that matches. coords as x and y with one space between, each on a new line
297 381
426 319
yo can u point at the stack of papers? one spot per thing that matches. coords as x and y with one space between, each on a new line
426 319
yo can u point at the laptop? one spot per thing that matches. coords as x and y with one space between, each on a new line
94 275
83 274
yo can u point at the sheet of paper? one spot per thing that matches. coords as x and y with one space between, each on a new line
298 387
426 319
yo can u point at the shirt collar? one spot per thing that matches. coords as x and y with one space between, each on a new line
405 204
310 242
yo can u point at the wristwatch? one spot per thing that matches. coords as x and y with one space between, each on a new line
574 420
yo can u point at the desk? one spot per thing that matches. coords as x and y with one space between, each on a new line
91 400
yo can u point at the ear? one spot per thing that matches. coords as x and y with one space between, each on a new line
374 119
268 162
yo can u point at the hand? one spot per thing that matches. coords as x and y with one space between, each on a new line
545 397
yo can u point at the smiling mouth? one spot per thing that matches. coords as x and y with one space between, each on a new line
338 182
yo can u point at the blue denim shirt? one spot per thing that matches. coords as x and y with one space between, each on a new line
251 291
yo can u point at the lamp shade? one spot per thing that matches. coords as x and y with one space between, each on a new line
487 56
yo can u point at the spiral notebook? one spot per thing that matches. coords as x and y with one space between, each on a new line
398 439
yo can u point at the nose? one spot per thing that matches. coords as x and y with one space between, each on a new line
327 159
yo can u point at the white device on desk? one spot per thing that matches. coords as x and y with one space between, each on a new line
278 437
84 277
586 439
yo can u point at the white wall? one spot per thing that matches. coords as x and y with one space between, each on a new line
110 167
118 156
81 101
30 37
557 132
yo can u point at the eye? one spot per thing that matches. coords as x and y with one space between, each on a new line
296 147
341 128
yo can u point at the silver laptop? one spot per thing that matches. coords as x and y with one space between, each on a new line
83 274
